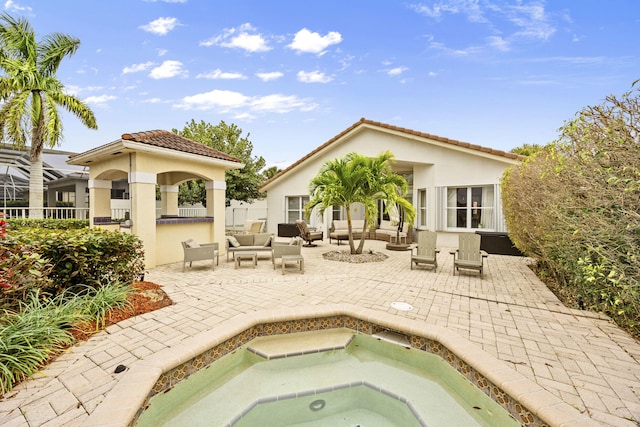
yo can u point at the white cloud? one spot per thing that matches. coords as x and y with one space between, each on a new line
160 26
306 41
74 90
152 101
219 74
277 103
499 43
100 100
532 21
226 101
135 68
509 22
242 37
168 69
396 71
313 77
266 77
12 6
162 52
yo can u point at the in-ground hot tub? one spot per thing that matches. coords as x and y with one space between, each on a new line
326 378
528 403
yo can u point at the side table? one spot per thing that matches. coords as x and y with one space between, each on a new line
245 256
298 259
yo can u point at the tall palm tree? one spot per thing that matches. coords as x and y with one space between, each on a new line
30 94
359 179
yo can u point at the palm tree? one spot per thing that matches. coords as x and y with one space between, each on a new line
30 94
359 179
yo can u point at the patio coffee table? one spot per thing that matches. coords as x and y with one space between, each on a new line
244 256
298 259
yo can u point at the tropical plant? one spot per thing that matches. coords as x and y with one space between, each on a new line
29 336
242 184
271 171
358 179
31 94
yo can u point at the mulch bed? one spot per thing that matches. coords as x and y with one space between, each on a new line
147 297
346 256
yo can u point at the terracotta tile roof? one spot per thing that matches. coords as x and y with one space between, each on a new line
364 121
172 141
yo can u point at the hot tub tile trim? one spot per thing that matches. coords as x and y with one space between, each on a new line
458 352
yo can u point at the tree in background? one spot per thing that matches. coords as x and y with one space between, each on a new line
31 94
527 149
242 184
359 179
270 172
575 207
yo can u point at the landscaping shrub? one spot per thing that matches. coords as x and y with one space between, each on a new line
575 207
22 272
41 327
54 224
29 336
84 257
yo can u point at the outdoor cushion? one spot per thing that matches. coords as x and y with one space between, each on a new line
246 239
233 241
268 242
261 239
192 243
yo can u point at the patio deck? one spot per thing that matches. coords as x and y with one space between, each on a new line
581 357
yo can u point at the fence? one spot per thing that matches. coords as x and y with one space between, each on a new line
53 213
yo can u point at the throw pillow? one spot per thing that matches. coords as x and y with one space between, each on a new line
267 243
192 244
233 241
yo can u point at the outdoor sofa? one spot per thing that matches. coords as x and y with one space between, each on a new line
388 231
340 230
248 242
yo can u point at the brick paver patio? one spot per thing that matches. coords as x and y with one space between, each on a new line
581 357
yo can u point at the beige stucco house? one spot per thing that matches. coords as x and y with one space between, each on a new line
164 159
454 186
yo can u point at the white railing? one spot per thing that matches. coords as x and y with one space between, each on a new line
83 213
53 213
192 212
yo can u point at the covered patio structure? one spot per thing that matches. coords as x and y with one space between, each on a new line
158 159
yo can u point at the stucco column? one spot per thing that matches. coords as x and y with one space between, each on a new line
100 197
143 212
216 192
169 199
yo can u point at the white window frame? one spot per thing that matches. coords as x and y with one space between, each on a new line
299 210
484 212
423 204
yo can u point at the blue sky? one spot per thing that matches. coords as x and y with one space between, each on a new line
293 74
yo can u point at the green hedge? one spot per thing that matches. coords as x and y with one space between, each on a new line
82 257
53 224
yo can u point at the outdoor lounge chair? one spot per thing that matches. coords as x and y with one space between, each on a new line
468 255
426 251
193 251
287 252
309 234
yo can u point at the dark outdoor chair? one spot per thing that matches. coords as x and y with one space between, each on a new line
308 234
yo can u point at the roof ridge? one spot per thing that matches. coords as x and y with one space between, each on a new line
365 121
